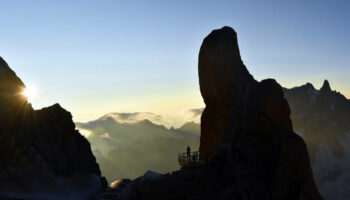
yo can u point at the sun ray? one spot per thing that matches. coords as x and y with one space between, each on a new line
29 92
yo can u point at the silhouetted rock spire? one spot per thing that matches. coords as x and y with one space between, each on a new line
219 59
251 119
223 80
326 87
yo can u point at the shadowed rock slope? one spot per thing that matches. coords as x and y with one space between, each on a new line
41 153
321 117
246 136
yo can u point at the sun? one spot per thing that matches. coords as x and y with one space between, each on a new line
29 92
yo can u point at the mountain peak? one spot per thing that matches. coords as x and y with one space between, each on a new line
310 86
326 86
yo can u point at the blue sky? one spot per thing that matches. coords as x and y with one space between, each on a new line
95 57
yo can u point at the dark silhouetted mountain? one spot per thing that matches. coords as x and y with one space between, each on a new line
322 118
42 156
247 139
136 144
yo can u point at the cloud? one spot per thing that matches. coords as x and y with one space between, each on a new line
105 135
135 117
86 133
196 112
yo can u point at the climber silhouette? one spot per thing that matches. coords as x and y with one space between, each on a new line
188 151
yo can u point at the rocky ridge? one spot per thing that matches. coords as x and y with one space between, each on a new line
321 116
42 145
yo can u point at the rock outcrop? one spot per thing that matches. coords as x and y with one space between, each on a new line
40 150
246 137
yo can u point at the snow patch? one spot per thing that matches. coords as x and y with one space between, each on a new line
332 174
84 132
300 132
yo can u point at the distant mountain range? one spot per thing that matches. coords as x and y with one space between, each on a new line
133 143
322 118
128 144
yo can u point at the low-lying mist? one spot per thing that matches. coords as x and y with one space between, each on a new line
128 150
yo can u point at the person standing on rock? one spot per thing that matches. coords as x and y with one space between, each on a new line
188 151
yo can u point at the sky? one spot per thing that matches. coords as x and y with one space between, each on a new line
96 57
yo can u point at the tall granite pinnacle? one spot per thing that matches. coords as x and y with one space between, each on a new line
251 119
221 77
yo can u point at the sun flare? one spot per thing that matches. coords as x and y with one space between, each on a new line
29 92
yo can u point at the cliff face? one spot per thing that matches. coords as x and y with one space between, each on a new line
246 137
40 149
